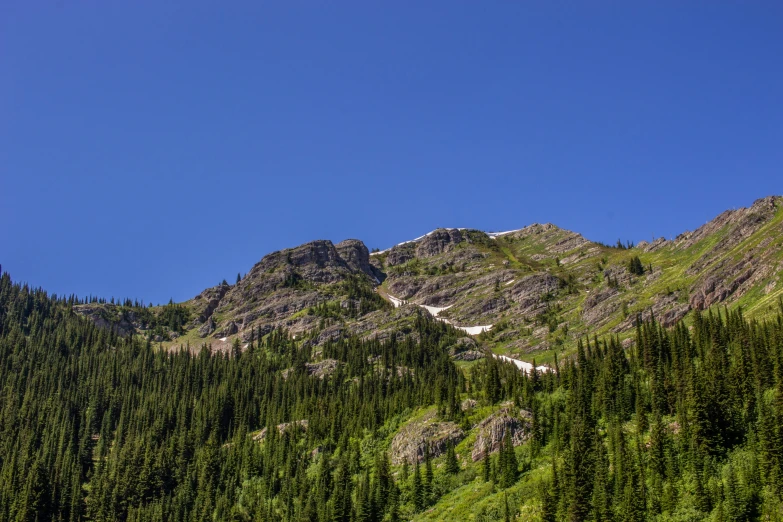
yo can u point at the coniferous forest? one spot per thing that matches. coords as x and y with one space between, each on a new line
685 423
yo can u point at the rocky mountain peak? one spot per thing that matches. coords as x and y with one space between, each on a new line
439 241
357 257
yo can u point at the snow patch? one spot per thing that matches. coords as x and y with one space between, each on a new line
474 330
522 365
492 235
510 282
435 310
396 302
224 339
495 235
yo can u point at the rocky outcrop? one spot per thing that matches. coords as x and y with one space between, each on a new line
401 254
207 328
528 293
357 257
415 438
666 309
729 279
230 329
317 262
207 301
463 344
468 404
282 428
322 369
439 241
492 430
109 316
469 355
290 281
742 223
556 241
599 306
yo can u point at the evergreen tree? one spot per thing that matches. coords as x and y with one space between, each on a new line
509 467
452 464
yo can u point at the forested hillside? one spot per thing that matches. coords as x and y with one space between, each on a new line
687 424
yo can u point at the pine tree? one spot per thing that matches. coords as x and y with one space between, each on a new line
452 464
486 463
428 477
419 495
509 467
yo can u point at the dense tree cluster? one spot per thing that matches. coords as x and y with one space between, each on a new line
100 427
684 424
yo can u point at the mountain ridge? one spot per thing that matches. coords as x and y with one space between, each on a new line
538 288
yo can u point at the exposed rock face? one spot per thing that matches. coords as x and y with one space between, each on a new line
556 240
599 306
666 310
529 291
722 273
493 429
109 316
466 349
743 222
439 241
655 245
317 261
724 281
400 254
281 428
357 257
207 328
463 344
411 442
207 301
230 329
469 355
323 368
468 404
289 281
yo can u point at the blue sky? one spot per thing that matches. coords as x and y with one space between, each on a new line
151 150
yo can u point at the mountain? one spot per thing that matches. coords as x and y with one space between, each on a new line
334 384
533 291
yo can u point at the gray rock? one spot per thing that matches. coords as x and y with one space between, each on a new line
109 316
207 328
492 430
411 442
439 241
357 257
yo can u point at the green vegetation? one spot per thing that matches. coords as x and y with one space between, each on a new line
685 425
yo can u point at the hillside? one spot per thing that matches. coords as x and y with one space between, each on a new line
332 384
535 290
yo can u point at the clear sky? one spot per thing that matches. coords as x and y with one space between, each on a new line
151 149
